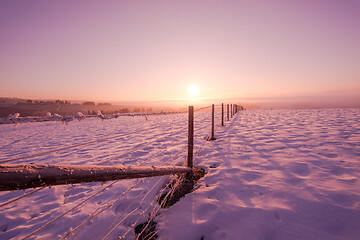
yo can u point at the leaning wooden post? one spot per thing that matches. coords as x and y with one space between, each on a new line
231 109
212 123
228 112
222 114
22 176
190 137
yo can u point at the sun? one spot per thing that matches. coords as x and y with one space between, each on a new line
193 91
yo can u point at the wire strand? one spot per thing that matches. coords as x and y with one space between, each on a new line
69 210
79 144
22 196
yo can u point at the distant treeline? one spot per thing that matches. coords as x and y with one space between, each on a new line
30 107
93 104
61 102
46 102
27 107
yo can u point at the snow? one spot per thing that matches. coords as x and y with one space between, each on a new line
79 115
281 174
276 175
14 116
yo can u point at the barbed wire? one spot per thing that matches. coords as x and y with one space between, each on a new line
80 144
22 196
147 208
23 138
69 210
157 207
197 152
101 209
114 226
136 148
149 236
111 204
203 108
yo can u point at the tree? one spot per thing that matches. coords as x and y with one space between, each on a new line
88 103
124 110
104 104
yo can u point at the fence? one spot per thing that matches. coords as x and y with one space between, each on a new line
22 176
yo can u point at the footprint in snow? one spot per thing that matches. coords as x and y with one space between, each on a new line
214 165
277 216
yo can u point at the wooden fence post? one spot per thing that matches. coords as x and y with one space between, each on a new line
222 114
228 112
190 137
212 123
231 109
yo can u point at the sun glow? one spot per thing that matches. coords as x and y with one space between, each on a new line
193 91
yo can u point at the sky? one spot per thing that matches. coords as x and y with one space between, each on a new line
176 50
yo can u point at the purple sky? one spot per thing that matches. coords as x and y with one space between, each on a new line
155 50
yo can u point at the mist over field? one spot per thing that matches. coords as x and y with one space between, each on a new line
335 100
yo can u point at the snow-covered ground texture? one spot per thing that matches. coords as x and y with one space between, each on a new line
291 174
284 174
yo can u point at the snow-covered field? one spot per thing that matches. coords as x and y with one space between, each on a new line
284 174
